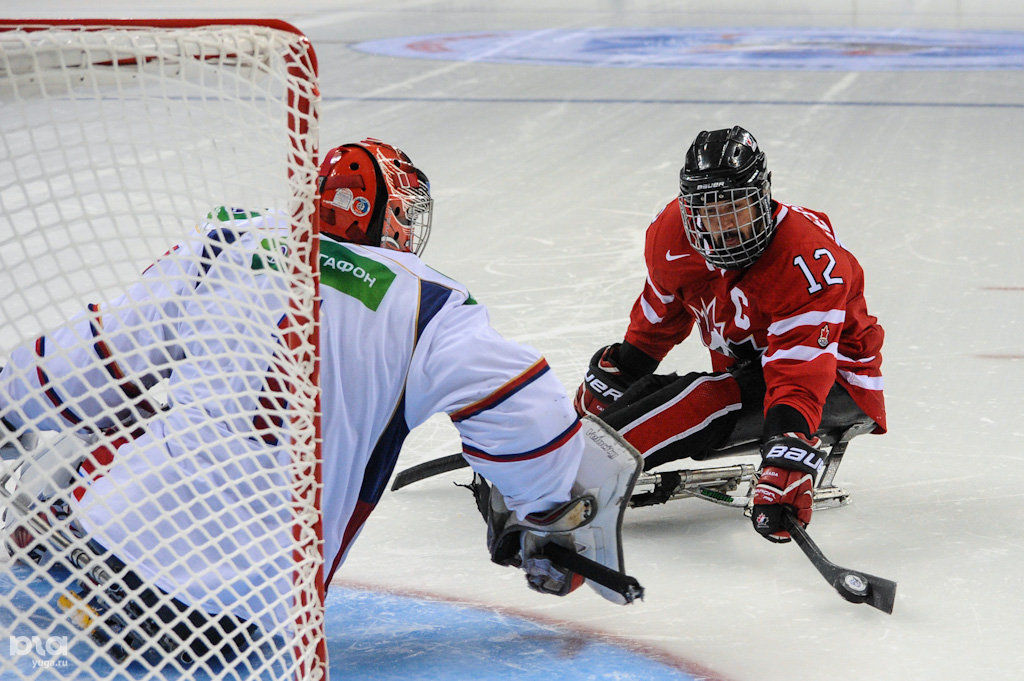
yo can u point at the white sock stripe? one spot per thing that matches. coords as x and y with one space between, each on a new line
681 396
690 431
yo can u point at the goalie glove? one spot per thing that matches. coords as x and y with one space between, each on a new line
790 464
521 543
589 524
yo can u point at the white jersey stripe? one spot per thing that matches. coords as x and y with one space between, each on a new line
866 382
843 358
814 318
781 215
802 353
661 296
649 312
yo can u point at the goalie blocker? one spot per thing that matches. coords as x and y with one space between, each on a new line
588 526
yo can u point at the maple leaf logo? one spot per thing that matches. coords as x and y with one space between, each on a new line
712 331
712 334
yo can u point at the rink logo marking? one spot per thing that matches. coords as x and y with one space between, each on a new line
721 48
364 279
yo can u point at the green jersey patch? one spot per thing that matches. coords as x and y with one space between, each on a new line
268 257
364 279
225 214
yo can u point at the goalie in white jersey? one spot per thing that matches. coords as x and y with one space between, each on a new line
194 503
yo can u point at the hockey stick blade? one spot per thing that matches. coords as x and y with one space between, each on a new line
618 582
854 586
428 469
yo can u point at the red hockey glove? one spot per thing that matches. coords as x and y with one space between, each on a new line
790 464
603 385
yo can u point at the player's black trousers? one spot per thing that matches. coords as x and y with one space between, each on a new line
670 417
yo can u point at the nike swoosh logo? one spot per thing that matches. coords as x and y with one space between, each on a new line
670 257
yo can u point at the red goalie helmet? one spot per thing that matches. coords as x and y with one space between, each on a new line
370 193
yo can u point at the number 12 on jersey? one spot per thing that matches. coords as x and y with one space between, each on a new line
813 285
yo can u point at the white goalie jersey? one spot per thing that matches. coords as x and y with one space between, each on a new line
195 502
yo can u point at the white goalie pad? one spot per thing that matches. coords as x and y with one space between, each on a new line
13 447
608 470
50 468
604 482
37 478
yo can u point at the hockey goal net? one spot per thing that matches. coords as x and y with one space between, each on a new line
158 341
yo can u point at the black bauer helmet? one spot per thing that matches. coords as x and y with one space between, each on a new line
725 198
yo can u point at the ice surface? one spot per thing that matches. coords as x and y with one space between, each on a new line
544 179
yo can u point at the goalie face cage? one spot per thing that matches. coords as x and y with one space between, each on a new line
173 496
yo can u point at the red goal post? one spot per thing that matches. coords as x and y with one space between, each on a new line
123 138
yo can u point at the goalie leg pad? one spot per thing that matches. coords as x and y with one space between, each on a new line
608 471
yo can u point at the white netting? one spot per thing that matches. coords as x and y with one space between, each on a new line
158 334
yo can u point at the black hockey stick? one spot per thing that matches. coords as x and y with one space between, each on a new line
619 582
428 469
854 586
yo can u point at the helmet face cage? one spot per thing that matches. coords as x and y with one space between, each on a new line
730 228
370 193
725 198
409 212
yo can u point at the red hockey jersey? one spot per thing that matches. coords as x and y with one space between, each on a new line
800 308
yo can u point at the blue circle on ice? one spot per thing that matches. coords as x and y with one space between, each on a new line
371 636
387 637
721 48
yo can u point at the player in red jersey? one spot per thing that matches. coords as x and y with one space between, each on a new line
777 300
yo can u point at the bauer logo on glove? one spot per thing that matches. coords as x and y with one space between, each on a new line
791 464
604 383
794 451
601 388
